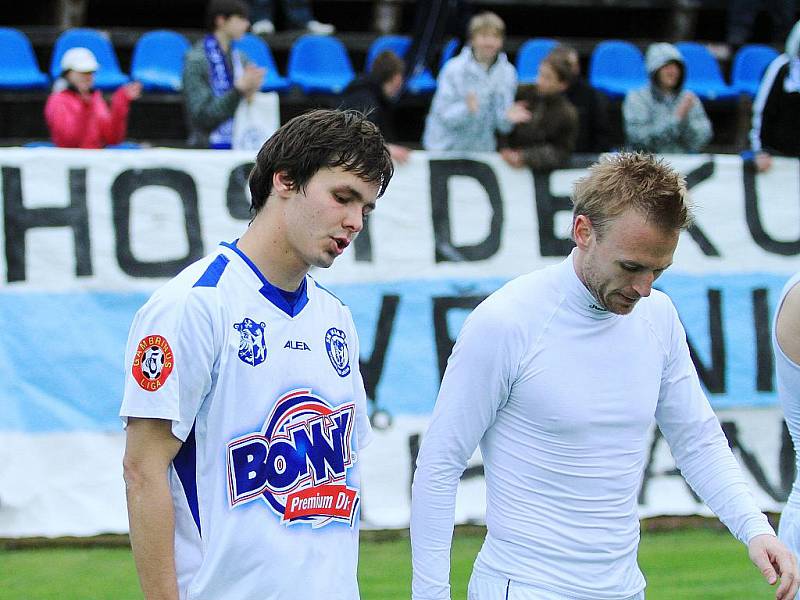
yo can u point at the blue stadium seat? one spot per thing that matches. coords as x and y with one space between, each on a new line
319 64
109 76
529 56
18 67
158 60
399 44
703 75
419 83
749 65
616 67
258 52
449 51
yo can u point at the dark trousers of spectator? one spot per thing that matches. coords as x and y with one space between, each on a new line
742 15
296 12
433 20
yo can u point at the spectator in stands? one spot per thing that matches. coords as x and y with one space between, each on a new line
76 113
594 133
742 16
662 116
375 95
776 110
297 14
475 93
216 76
548 139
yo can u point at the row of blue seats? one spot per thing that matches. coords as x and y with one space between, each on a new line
320 64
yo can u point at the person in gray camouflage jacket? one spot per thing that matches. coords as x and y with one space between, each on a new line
662 117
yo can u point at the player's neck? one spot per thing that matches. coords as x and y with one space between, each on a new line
264 246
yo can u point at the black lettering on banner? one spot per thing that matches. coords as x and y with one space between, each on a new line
693 178
441 306
761 323
18 220
649 473
440 172
363 244
713 376
779 493
787 465
760 236
372 369
547 205
236 196
123 188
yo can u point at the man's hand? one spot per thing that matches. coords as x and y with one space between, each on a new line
518 113
399 154
512 157
472 102
685 105
133 90
763 162
774 560
250 80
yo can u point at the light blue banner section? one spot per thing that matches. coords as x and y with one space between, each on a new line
61 355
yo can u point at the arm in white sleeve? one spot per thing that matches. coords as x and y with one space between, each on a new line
699 446
475 386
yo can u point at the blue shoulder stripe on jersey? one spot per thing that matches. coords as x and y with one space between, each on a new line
324 289
269 291
213 273
185 463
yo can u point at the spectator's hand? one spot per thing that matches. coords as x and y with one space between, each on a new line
249 82
686 105
775 560
399 154
512 157
763 162
133 90
472 102
518 113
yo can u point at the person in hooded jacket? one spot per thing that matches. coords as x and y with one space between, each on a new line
475 93
663 117
375 94
776 109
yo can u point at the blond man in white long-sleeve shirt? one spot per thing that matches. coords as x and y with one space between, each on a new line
559 376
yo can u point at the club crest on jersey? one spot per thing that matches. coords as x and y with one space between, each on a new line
298 462
152 362
336 345
252 344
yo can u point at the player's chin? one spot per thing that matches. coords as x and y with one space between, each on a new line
325 260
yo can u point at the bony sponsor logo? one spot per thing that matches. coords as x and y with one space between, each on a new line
298 462
152 363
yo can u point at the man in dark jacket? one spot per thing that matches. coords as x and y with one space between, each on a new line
777 106
594 132
375 95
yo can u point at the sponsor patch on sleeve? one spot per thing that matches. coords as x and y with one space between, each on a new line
152 362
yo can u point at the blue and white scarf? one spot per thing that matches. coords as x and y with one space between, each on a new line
221 80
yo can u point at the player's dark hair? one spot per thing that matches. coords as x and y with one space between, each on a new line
385 66
225 8
321 139
626 180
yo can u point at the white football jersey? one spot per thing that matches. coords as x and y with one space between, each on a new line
269 402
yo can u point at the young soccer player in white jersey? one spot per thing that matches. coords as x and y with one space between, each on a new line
786 344
245 411
559 376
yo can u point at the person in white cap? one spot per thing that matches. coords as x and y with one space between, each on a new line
77 115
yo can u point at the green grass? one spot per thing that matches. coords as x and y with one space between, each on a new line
685 564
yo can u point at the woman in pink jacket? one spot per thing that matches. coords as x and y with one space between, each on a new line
78 116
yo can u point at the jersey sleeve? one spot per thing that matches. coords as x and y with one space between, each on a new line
699 445
476 384
363 426
170 359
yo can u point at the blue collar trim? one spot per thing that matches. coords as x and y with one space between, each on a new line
269 291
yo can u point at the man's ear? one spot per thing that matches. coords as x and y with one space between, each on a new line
282 184
582 231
